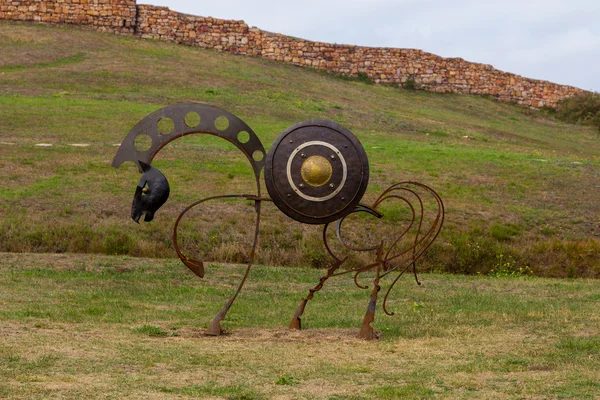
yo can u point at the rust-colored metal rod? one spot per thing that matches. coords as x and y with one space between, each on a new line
215 327
434 230
331 272
366 331
196 266
431 235
416 242
338 231
406 230
296 322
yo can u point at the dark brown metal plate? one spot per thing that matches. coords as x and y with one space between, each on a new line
316 172
186 119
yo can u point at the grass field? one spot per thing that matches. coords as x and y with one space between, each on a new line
518 185
89 326
92 305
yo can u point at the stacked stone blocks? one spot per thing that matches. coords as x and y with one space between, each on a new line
382 65
116 16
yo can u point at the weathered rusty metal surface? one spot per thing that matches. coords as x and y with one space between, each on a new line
190 119
316 172
395 254
197 266
181 114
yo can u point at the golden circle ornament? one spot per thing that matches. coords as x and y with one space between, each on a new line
316 171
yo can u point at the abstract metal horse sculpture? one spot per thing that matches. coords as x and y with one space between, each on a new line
316 172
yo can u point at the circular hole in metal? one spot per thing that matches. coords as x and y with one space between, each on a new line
222 123
166 126
192 119
258 155
142 142
243 137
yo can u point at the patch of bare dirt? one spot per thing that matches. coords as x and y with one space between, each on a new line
8 329
282 335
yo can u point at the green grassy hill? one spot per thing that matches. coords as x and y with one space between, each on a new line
520 188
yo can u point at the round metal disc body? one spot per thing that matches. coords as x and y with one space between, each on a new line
316 172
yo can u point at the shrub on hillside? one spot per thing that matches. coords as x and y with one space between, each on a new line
410 84
581 109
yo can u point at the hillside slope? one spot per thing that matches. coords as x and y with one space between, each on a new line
520 188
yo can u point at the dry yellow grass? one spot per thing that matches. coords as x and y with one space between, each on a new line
111 327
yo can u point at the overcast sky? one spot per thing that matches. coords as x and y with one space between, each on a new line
555 40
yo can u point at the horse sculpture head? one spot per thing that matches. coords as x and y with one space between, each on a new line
151 193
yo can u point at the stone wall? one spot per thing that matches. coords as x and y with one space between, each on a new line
163 24
116 16
382 65
397 66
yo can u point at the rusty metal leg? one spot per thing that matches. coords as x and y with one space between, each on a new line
296 322
366 331
215 327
